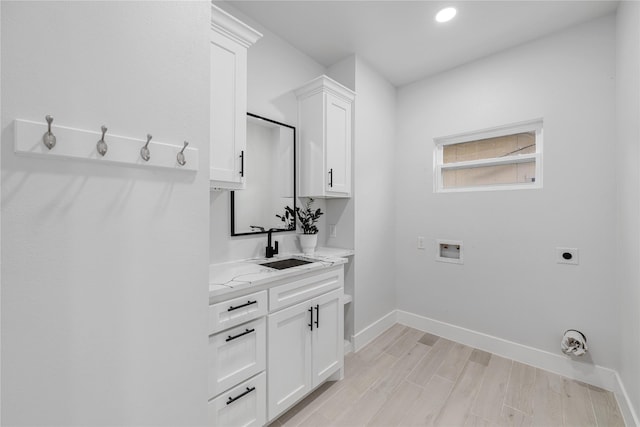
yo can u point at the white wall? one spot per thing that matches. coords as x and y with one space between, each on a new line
366 222
374 195
276 69
510 285
628 194
104 268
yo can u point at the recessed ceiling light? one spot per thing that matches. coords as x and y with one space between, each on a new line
446 14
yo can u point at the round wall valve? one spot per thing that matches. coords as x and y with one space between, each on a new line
567 256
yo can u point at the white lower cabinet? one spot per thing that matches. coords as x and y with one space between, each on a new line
243 405
270 348
305 348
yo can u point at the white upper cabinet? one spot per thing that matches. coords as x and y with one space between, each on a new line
230 40
325 121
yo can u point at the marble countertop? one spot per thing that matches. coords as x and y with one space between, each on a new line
250 275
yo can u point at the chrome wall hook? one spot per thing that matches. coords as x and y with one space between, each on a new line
101 146
49 139
181 159
144 151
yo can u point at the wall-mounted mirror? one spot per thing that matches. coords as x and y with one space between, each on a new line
270 178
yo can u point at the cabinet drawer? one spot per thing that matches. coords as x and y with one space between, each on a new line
233 312
236 354
244 405
304 289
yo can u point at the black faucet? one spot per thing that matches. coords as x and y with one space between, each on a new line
271 251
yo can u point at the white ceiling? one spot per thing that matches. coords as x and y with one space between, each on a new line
401 39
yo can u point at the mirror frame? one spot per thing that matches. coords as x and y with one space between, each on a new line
295 195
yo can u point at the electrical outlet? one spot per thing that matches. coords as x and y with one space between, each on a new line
332 230
567 256
420 242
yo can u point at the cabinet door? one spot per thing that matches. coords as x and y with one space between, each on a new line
289 357
338 145
327 336
236 354
243 405
228 112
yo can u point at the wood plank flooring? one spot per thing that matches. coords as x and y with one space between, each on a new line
408 378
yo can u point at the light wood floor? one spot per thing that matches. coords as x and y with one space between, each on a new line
409 378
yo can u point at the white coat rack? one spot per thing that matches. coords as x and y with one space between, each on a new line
45 140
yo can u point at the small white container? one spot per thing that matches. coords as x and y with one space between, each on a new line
308 242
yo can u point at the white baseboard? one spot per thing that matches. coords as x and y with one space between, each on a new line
372 331
348 347
559 364
629 414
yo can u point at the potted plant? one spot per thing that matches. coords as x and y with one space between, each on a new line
308 218
288 218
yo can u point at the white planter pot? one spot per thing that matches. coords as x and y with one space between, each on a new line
308 243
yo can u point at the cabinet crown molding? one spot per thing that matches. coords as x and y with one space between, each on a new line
233 28
326 84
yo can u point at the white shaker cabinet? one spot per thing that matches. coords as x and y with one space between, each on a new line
237 358
289 357
273 340
305 349
327 337
230 40
325 110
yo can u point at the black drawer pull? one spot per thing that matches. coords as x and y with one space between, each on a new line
247 331
311 324
331 177
242 163
233 399
243 305
317 315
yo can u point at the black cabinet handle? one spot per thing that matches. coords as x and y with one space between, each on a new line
242 163
317 315
311 311
247 331
233 399
331 177
231 308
